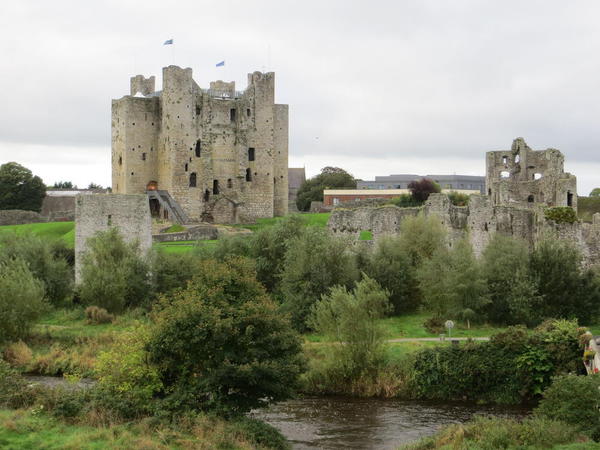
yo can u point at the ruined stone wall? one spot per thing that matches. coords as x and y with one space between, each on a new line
130 214
19 217
525 177
221 155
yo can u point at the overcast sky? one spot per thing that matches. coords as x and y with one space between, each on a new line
376 87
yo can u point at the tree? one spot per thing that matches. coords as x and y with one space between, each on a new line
568 291
421 236
452 284
513 294
390 265
19 189
329 178
64 185
351 319
222 345
45 259
420 189
114 275
595 192
314 262
94 186
21 299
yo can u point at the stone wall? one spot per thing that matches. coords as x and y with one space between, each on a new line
130 214
19 217
197 233
478 222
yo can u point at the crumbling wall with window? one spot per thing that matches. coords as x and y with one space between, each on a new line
524 177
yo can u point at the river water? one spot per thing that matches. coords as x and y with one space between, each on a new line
338 423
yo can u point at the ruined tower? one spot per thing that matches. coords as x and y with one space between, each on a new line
525 177
213 154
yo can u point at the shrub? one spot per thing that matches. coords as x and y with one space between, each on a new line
221 344
113 274
421 189
21 300
405 201
47 260
561 214
458 199
261 434
18 354
351 320
97 316
434 325
314 262
124 368
421 236
573 399
172 271
13 388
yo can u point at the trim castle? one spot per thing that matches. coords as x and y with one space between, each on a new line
212 155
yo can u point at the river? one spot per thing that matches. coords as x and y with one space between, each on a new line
338 423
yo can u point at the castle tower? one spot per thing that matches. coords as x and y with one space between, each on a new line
213 154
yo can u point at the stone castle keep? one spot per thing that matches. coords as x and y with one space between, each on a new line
213 155
520 184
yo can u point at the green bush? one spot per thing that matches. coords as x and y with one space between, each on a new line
405 201
314 262
561 214
513 366
172 271
573 399
47 260
458 199
351 320
113 274
222 344
21 300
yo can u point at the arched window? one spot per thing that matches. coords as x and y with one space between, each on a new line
198 148
193 179
248 175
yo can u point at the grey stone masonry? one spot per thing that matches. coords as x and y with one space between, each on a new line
130 214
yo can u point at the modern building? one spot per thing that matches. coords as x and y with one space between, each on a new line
333 197
448 182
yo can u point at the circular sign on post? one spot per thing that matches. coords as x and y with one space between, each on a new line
449 324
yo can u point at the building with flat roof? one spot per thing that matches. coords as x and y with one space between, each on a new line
448 182
333 197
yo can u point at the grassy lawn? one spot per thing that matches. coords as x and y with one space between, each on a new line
183 246
54 230
312 219
21 429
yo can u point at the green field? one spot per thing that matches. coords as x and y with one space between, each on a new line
66 231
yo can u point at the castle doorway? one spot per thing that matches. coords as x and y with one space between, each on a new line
154 207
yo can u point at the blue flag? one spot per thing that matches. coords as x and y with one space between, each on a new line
221 64
168 42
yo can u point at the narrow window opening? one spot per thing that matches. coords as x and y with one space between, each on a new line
198 148
193 179
537 176
120 160
569 198
248 175
504 174
505 160
109 220
229 183
251 154
131 173
143 157
248 112
206 195
232 114
215 187
186 167
490 192
530 199
517 159
198 110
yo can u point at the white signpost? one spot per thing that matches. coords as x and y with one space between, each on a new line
449 325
